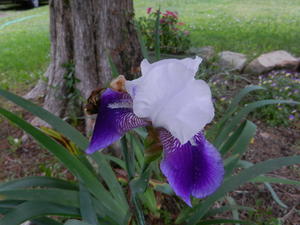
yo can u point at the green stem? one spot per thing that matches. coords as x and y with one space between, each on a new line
157 36
129 163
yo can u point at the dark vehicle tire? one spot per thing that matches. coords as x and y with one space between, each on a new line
33 3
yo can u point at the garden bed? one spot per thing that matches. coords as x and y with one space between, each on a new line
31 160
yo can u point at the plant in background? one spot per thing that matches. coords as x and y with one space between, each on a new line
97 196
223 86
73 95
14 143
280 85
174 39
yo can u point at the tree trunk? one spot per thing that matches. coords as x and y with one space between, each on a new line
83 35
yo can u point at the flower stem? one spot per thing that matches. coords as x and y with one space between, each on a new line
130 167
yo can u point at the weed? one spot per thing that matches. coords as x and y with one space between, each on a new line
73 96
14 143
280 85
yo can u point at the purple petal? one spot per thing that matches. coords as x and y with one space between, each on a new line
115 117
193 169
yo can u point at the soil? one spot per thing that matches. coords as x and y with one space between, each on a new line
31 160
272 143
19 159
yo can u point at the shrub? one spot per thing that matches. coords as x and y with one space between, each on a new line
174 38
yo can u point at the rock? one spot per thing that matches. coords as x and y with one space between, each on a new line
232 61
277 59
206 53
265 135
27 223
290 65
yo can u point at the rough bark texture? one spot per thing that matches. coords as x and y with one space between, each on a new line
85 33
61 53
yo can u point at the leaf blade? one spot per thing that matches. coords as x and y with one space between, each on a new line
233 182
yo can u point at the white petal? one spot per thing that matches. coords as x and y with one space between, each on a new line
189 63
132 85
155 89
187 112
169 96
192 64
145 66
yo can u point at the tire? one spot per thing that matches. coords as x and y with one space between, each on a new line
33 3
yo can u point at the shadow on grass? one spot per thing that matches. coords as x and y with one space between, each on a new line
9 6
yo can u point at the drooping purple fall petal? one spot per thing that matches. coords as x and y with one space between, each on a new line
193 169
115 117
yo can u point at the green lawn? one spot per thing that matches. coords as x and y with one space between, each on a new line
250 27
247 26
24 47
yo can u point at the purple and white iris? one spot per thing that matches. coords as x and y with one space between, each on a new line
167 97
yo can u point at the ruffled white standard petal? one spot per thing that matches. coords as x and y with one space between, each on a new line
187 112
189 63
169 96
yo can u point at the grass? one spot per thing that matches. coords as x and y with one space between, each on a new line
251 27
24 47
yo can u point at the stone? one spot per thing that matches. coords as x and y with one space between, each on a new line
232 61
272 60
206 52
27 223
265 135
293 65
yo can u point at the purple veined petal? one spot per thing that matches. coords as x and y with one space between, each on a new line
193 169
115 117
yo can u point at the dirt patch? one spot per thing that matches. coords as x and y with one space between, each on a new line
273 143
19 159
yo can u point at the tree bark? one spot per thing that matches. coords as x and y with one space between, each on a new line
62 51
85 34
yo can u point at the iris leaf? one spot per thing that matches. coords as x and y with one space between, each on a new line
87 210
64 128
224 221
46 221
55 196
113 209
236 120
223 209
48 182
275 196
28 210
277 180
233 182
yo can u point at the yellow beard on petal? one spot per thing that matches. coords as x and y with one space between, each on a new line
118 84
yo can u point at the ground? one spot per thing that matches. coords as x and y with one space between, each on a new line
272 143
30 160
24 49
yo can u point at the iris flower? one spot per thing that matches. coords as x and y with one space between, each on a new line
168 98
